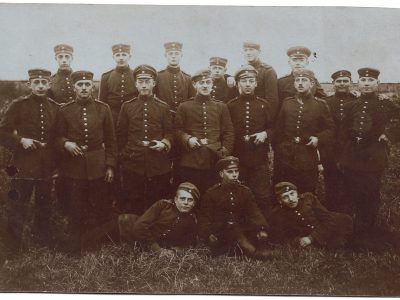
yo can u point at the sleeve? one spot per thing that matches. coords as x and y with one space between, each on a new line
122 128
269 121
271 89
192 90
227 131
110 139
142 230
279 229
103 88
61 129
168 128
279 126
8 124
180 120
253 213
205 218
325 124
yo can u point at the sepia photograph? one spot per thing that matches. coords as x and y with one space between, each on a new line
199 150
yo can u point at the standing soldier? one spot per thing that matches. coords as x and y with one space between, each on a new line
86 139
27 129
298 59
205 133
332 175
144 134
173 85
303 123
267 82
223 84
117 85
365 150
62 90
252 120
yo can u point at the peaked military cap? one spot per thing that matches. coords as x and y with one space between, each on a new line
304 73
118 48
173 46
368 72
144 71
298 51
190 188
227 163
251 45
203 74
218 61
39 73
63 48
81 75
245 71
341 73
283 187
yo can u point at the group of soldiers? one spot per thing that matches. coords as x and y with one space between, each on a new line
168 135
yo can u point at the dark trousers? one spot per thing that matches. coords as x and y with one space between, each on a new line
87 205
362 192
305 180
19 212
333 179
258 179
141 192
202 179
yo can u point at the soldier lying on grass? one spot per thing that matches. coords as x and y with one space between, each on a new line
166 225
303 220
229 218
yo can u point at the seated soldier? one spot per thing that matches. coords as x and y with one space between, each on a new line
229 218
303 220
166 224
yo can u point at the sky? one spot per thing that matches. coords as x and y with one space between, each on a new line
341 37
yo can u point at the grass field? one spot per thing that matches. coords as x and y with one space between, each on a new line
291 271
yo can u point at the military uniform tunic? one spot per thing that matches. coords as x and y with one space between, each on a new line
310 218
363 157
174 87
164 224
31 117
267 84
228 210
116 87
62 88
221 91
296 122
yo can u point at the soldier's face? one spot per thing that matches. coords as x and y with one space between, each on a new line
173 57
298 62
342 84
247 85
64 60
39 86
203 86
145 86
184 201
229 175
217 71
83 88
368 85
121 59
303 84
251 54
289 199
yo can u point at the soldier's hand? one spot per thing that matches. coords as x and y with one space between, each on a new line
383 137
356 94
383 97
109 175
212 239
262 236
305 241
29 143
320 168
73 148
193 143
159 146
230 81
313 141
260 137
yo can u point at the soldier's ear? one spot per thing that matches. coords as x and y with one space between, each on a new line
28 83
221 174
